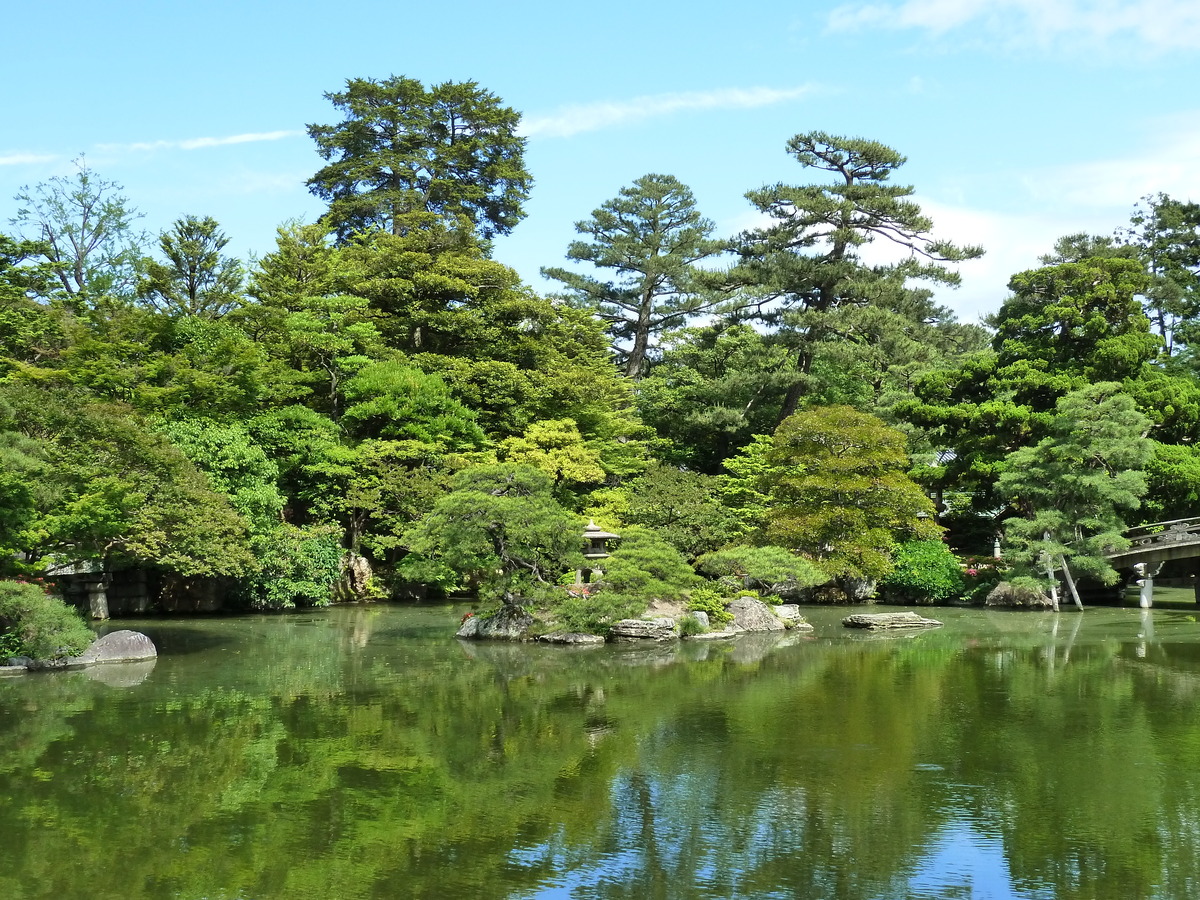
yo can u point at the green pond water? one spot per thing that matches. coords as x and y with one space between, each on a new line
365 753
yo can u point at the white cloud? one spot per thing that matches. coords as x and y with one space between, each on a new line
24 159
574 120
1159 24
1166 160
198 143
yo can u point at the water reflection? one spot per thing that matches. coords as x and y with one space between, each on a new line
364 753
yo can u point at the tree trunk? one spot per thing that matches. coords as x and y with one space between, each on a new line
1070 582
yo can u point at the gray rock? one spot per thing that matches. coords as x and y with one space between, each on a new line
789 613
117 646
700 616
469 627
1006 594
572 637
713 636
889 620
508 623
10 669
750 614
22 661
643 630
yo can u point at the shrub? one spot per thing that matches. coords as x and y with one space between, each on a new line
773 570
34 623
594 611
690 626
646 566
708 599
926 572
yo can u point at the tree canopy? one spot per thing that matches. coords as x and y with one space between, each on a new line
405 154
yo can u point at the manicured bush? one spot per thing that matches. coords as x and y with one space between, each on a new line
37 624
709 599
926 572
773 570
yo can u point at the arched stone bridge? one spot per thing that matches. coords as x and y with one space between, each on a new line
1152 545
1159 542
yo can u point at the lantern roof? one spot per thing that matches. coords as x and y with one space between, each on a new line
595 532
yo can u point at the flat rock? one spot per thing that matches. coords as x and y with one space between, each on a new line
750 614
712 636
889 620
571 637
117 646
661 629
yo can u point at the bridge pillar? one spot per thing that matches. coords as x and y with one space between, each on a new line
1147 571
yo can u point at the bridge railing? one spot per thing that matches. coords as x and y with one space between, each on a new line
1174 531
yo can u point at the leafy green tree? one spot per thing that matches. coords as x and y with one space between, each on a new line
84 229
1165 234
407 155
303 317
651 237
110 489
714 388
805 266
196 279
1065 326
684 508
840 495
500 528
1074 486
397 402
641 569
1173 483
647 567
556 447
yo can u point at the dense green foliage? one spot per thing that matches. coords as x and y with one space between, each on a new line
37 624
378 388
925 572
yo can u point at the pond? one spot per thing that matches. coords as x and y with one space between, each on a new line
362 752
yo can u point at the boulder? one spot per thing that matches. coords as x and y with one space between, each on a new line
1017 597
572 637
354 584
508 623
662 629
889 620
118 646
750 614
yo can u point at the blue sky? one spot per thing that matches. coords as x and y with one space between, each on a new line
1022 120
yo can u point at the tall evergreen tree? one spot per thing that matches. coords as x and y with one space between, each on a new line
651 236
196 279
406 154
805 265
1074 487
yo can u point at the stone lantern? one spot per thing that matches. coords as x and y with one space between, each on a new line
595 548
